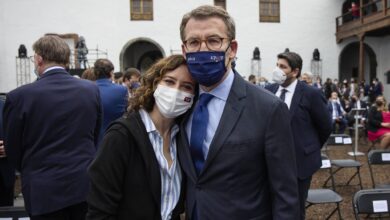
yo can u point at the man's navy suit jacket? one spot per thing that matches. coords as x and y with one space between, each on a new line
51 128
114 102
311 126
250 170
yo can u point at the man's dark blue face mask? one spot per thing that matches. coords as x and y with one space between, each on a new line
135 85
207 67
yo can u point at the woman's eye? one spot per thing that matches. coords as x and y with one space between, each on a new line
188 88
170 82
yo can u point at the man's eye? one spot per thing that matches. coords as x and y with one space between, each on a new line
213 41
193 42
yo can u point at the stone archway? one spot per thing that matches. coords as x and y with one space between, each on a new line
140 53
349 62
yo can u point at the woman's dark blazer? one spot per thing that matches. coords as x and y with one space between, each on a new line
374 119
125 175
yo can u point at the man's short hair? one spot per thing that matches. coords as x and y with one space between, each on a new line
251 77
118 75
131 72
103 68
293 60
208 11
52 49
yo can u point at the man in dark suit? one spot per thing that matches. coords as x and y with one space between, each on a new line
113 97
337 114
7 174
236 145
51 130
356 103
310 120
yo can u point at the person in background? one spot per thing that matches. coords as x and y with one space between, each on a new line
378 125
82 51
136 174
51 128
310 120
337 113
114 97
131 80
89 74
318 83
345 90
356 103
118 78
263 82
252 79
307 77
236 146
355 10
353 87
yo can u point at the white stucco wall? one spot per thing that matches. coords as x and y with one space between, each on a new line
384 61
305 25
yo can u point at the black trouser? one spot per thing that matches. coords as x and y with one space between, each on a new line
73 212
303 187
6 194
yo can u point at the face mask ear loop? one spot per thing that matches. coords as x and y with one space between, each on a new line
229 57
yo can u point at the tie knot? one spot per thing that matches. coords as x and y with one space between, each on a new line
205 98
284 91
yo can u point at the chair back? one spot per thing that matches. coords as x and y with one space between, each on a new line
371 201
377 157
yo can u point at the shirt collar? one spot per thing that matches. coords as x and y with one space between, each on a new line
52 68
223 89
291 87
149 125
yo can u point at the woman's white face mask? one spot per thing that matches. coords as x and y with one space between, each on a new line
172 102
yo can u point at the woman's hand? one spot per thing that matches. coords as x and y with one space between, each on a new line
386 125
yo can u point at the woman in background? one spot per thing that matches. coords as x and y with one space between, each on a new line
379 122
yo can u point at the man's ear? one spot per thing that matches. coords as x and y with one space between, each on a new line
296 71
39 59
233 49
183 50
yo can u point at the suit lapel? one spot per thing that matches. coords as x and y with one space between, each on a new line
231 113
148 154
273 88
296 97
184 150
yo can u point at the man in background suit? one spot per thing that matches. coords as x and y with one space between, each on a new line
337 114
7 174
236 146
51 130
310 120
113 97
356 103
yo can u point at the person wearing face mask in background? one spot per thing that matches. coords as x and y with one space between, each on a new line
263 82
310 120
131 80
338 114
236 147
136 174
378 125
